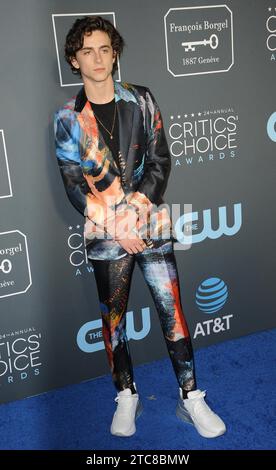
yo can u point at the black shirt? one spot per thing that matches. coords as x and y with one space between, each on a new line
105 113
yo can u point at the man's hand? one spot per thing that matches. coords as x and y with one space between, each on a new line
132 245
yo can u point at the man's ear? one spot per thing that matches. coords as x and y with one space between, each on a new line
74 62
114 56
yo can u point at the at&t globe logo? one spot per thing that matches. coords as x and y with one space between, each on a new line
210 298
211 295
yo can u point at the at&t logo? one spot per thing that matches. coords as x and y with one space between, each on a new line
211 296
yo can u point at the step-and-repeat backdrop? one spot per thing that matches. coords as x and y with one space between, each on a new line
211 67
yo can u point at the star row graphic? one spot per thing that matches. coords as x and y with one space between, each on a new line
186 115
71 228
209 113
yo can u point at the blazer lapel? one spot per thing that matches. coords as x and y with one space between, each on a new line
125 119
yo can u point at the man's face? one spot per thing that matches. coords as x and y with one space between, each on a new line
96 58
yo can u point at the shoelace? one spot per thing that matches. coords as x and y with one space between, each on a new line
200 404
124 405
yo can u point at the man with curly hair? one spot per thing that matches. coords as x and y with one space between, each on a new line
115 163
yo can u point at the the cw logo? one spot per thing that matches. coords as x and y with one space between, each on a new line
92 331
208 231
271 131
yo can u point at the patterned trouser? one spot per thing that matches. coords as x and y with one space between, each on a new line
113 277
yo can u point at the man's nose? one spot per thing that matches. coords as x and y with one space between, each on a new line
98 57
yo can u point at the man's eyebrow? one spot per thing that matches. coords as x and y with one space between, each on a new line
91 48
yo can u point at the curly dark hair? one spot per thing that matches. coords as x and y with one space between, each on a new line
86 25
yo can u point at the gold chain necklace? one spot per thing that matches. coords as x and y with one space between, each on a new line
113 124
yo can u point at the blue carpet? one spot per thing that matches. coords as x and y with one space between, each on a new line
240 379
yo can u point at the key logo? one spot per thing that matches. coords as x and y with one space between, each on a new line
199 40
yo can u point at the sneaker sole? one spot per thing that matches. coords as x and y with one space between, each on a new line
182 414
138 413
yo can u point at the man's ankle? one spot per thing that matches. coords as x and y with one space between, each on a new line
131 387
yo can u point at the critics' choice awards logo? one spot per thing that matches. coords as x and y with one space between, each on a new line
77 252
211 224
211 296
271 32
203 137
19 355
5 181
199 40
15 272
62 22
90 337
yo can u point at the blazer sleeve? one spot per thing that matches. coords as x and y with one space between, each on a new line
67 153
158 159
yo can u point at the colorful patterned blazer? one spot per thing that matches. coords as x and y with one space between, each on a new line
104 190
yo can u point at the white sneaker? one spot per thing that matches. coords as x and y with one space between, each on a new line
195 410
128 409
